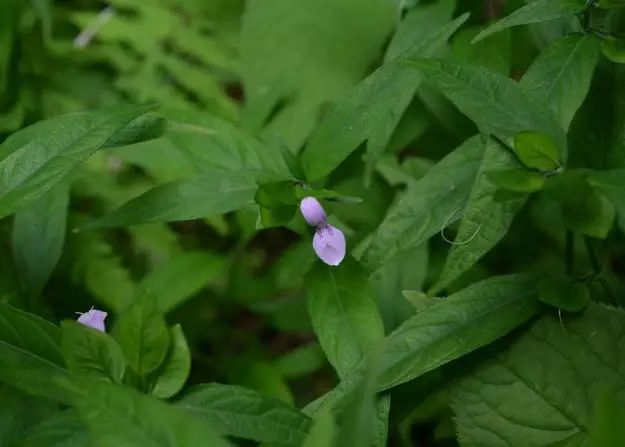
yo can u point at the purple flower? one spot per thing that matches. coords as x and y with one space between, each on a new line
329 241
329 244
94 319
312 211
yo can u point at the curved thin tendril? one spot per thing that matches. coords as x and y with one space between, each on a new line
449 241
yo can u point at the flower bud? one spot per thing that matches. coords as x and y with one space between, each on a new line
312 211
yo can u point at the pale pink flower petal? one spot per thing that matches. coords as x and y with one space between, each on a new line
94 319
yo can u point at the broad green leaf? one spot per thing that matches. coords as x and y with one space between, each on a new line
121 416
329 55
211 143
485 221
343 313
301 362
173 373
450 328
38 237
30 354
62 429
374 108
607 429
497 104
536 150
563 293
91 353
19 413
323 431
142 335
428 205
444 331
542 389
243 413
518 180
192 198
55 148
535 12
562 73
181 277
612 3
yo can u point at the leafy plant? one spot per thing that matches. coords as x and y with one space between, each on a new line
312 223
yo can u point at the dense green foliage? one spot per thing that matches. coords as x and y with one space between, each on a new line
153 157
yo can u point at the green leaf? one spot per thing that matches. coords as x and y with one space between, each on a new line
444 331
323 431
562 73
614 49
173 373
343 313
497 104
38 237
374 108
536 150
563 293
211 143
329 55
428 205
31 355
142 335
193 198
535 12
92 353
607 429
301 361
540 391
243 413
180 278
485 220
54 148
612 3
611 184
517 180
121 416
453 327
62 429
20 412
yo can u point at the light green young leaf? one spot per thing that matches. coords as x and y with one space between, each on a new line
536 150
343 313
427 206
247 414
173 373
561 75
375 106
337 41
497 104
62 429
54 148
142 335
542 389
193 198
31 354
91 353
485 221
535 12
121 416
38 237
517 180
181 277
